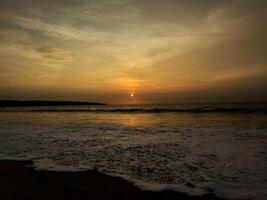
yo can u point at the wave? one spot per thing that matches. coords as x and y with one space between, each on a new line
139 110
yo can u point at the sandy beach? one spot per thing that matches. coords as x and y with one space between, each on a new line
18 180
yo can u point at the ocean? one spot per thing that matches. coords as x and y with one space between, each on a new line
191 148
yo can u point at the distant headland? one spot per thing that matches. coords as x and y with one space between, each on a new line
28 103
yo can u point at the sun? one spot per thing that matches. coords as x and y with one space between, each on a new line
132 94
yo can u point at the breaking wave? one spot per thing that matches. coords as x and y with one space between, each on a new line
180 108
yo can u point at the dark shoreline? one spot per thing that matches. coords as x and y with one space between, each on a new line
20 181
29 103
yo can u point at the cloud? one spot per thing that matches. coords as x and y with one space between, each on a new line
68 20
238 47
53 53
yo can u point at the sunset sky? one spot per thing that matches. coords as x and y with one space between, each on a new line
161 51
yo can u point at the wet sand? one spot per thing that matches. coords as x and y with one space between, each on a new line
18 180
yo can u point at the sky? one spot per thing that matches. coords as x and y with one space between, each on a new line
160 51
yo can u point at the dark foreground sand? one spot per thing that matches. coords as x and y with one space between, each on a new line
19 181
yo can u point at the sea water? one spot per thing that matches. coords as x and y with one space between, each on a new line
191 148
